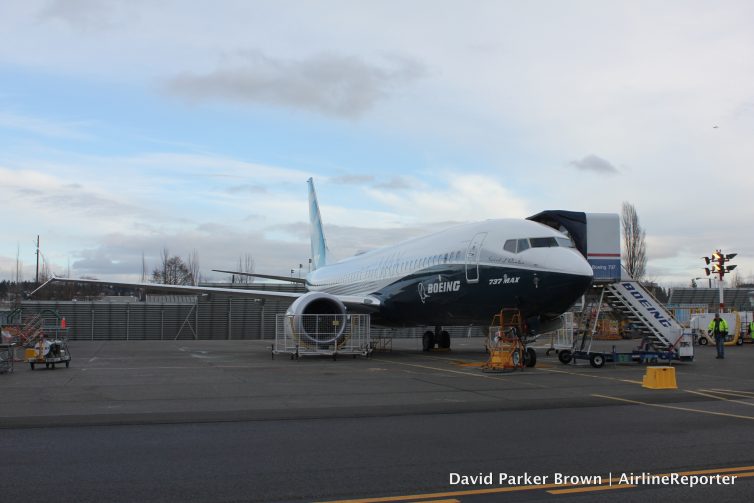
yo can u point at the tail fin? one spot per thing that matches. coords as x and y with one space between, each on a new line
316 234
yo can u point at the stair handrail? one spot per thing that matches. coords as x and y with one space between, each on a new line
655 333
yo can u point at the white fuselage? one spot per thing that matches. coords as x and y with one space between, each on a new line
468 268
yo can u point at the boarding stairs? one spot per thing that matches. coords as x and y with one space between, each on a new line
588 319
31 328
639 306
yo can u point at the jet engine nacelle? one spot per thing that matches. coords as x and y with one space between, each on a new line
316 318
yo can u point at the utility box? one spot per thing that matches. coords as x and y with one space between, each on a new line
595 235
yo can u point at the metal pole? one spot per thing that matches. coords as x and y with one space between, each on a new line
261 320
722 303
37 278
230 317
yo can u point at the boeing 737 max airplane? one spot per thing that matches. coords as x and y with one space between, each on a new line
459 276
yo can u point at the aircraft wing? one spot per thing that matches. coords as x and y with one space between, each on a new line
266 276
363 303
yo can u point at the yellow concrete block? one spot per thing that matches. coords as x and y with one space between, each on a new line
660 378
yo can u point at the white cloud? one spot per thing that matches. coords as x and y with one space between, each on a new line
518 89
331 84
458 198
43 127
595 164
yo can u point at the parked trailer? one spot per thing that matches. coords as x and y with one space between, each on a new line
597 359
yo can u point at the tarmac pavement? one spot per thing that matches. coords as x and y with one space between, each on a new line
223 421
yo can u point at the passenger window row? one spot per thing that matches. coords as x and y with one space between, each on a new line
397 268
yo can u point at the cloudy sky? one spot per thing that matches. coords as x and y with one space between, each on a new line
131 126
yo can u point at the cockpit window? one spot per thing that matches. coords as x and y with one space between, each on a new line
543 242
510 246
519 245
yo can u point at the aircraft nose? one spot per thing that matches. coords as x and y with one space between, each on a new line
575 263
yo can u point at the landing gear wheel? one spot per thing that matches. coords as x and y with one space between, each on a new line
703 341
739 342
530 357
565 357
428 341
444 340
596 360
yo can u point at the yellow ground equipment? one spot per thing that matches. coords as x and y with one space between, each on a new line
507 343
48 352
660 378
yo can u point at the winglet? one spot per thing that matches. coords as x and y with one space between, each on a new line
316 234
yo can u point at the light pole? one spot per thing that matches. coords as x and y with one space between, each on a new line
716 265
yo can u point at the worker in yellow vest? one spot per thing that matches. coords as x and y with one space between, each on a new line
719 328
751 330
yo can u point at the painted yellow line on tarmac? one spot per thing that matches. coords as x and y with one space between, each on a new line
673 407
613 483
473 374
739 471
734 392
711 395
590 489
594 376
468 492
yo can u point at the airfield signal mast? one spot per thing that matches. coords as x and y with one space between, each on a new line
716 265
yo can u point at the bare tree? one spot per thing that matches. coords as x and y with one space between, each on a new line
635 252
172 271
44 272
192 264
19 275
143 268
245 264
737 280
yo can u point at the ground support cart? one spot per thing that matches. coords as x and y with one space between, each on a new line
508 342
598 359
55 354
6 357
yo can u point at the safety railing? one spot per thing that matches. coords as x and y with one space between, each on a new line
322 334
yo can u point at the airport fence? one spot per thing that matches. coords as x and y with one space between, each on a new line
193 317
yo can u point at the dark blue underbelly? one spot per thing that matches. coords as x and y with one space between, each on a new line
443 296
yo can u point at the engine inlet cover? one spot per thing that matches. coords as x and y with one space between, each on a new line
317 318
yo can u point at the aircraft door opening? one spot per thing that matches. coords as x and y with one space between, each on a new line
472 258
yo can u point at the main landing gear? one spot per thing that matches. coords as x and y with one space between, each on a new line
439 338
